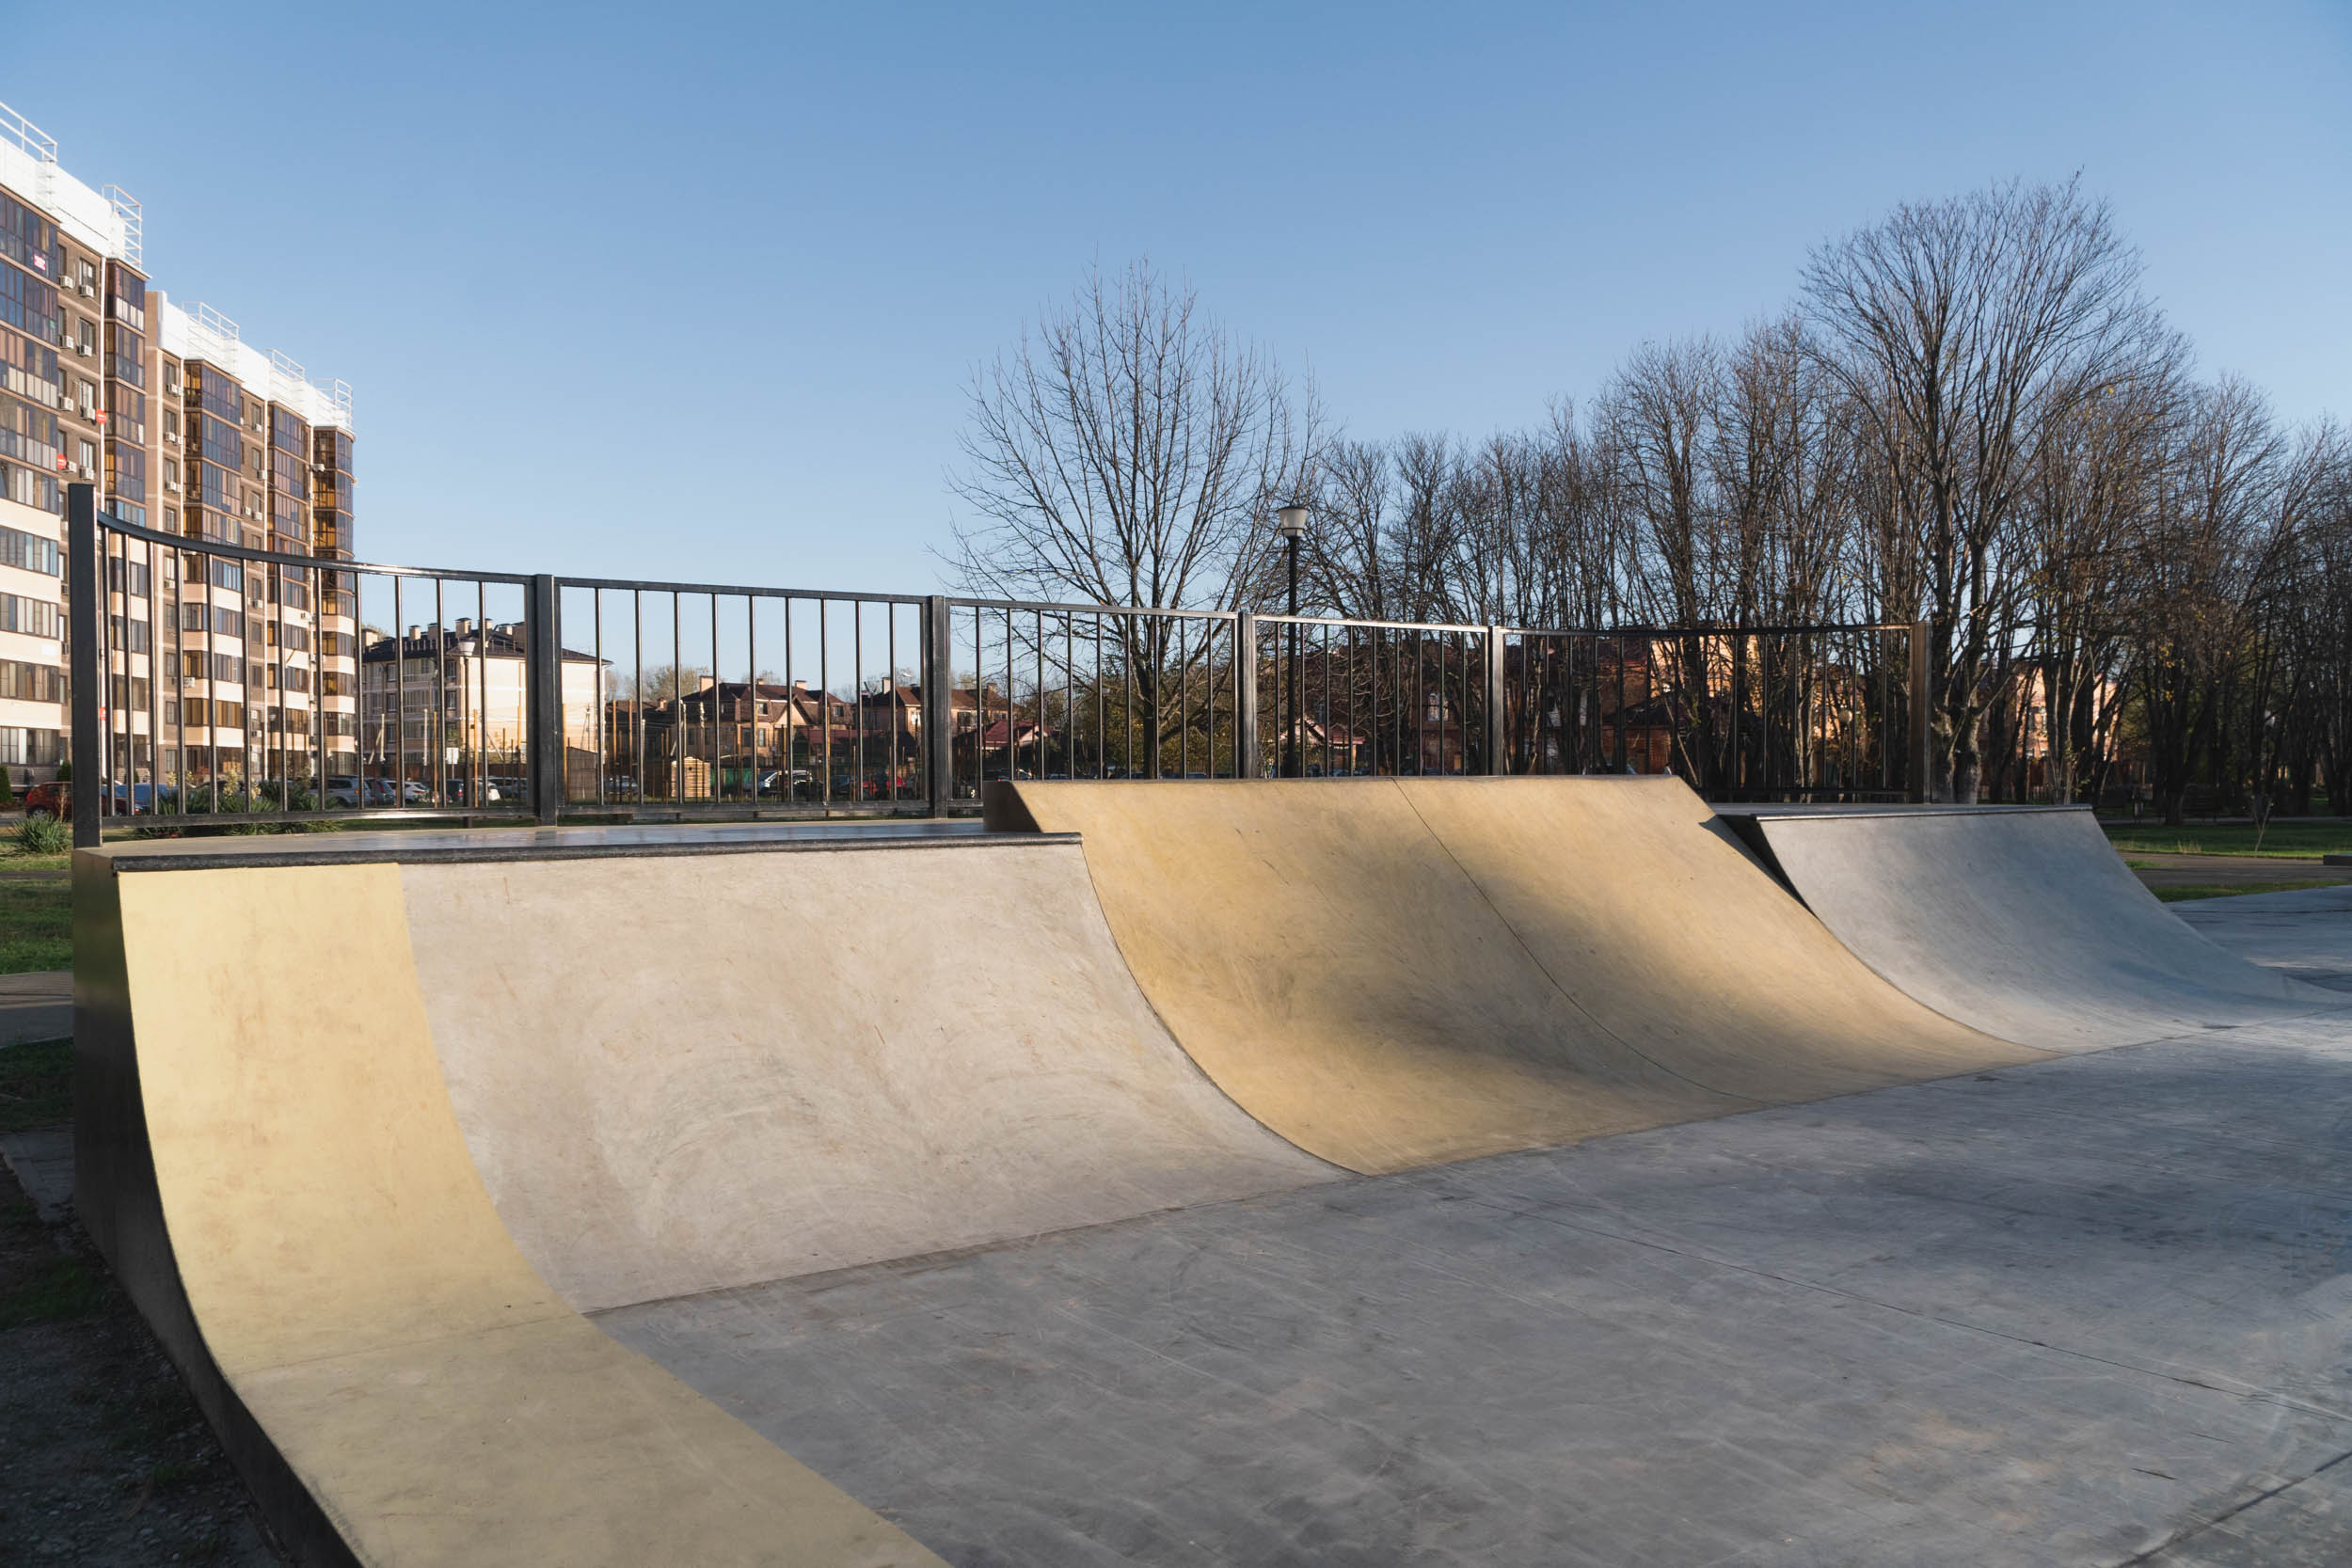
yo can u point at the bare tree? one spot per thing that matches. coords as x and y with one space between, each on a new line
1127 452
1960 328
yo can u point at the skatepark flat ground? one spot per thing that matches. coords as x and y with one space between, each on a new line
2087 1310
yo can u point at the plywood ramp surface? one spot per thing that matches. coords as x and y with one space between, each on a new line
355 1290
2026 923
682 1074
1392 977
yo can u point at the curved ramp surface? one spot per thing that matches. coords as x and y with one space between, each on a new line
680 1073
2026 923
1393 974
1651 915
268 1155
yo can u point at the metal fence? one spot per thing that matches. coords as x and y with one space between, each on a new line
244 689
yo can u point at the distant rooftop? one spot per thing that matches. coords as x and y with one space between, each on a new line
112 223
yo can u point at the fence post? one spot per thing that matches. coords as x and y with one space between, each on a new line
1249 753
939 702
542 679
1495 763
85 595
1919 794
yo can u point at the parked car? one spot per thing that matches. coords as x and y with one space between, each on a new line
343 789
55 799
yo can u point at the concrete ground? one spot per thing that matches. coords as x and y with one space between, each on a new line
2307 933
36 1007
2162 871
2095 1310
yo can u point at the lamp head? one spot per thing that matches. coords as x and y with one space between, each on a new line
1291 521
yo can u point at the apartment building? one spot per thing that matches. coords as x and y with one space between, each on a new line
451 704
218 672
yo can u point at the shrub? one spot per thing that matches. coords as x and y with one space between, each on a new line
43 836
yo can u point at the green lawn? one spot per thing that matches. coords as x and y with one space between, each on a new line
35 1085
36 924
2180 894
2290 841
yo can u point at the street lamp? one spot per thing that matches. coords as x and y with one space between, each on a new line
1291 523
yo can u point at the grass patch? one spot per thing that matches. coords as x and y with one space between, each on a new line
2181 894
2286 841
54 1290
35 925
38 1284
14 862
35 1085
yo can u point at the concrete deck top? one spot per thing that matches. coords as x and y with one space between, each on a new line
605 841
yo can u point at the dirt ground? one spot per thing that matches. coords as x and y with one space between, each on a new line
104 1458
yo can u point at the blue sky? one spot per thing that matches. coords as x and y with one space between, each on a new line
696 292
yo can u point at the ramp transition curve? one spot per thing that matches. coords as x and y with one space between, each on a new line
2024 923
1396 972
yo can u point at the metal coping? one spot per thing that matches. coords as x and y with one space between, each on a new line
642 840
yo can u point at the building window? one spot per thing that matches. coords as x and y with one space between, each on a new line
31 617
28 553
30 748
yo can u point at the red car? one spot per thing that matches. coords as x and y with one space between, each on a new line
50 799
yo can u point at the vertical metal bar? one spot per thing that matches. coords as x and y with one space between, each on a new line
1184 707
637 689
857 696
939 701
155 685
791 710
751 690
710 714
1495 763
399 698
1920 792
482 688
677 699
604 717
83 598
542 678
824 699
1248 760
437 725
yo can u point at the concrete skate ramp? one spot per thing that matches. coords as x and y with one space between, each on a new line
679 1073
266 1153
2026 923
1393 974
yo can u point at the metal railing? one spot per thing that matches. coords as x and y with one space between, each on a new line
220 688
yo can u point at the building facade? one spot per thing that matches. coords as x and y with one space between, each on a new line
221 673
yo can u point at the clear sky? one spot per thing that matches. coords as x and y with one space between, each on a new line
695 291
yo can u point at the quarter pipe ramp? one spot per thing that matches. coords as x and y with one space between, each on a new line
2025 924
1394 973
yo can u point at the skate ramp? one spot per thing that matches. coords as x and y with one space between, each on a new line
1664 928
2026 923
680 1073
267 1155
1393 974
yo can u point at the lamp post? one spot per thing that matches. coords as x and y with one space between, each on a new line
1291 523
